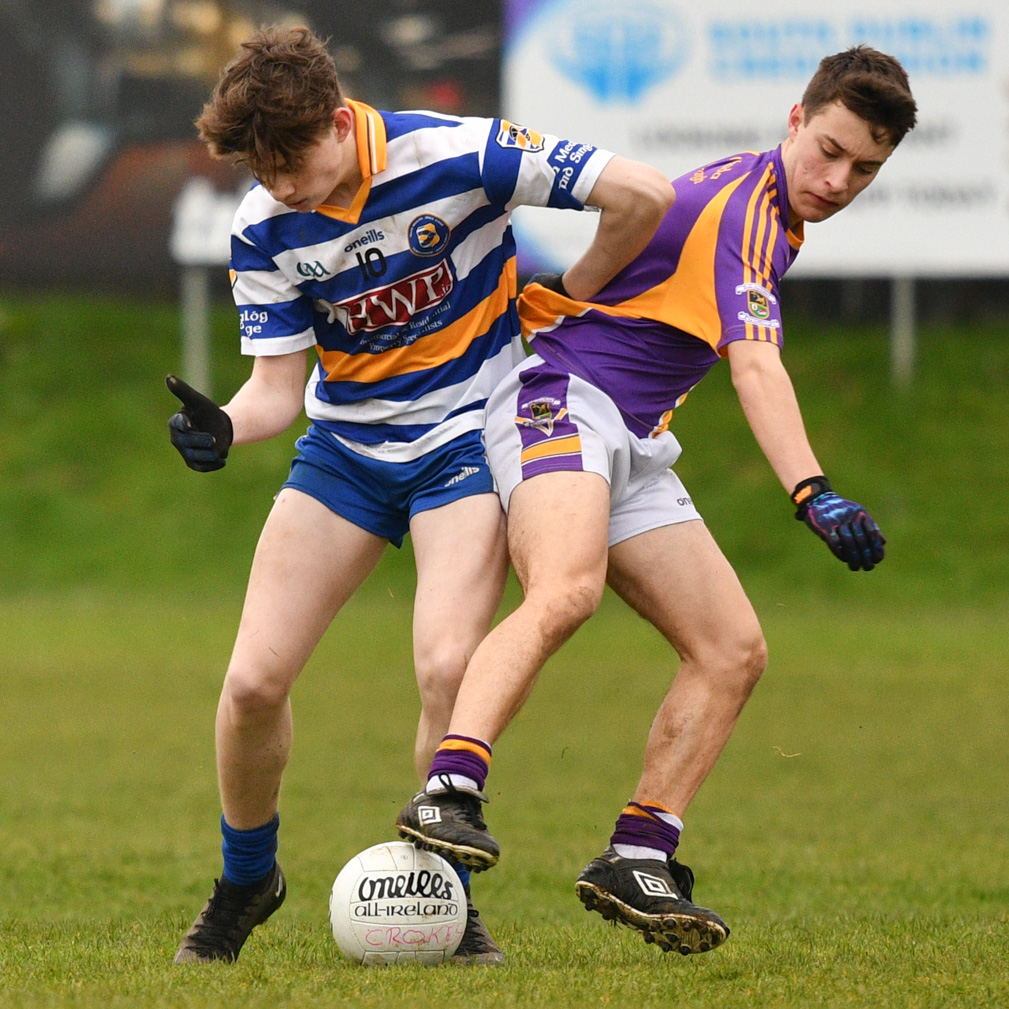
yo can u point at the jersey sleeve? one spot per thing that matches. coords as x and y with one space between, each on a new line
274 316
520 167
747 271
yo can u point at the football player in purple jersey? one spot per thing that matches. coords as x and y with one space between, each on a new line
580 445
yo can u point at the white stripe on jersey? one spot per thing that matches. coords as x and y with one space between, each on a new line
281 345
472 251
426 409
428 145
265 287
535 173
392 451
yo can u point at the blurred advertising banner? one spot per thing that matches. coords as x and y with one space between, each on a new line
678 85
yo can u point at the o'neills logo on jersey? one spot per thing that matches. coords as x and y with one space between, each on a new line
395 304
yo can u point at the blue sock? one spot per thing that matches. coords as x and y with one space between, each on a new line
463 873
249 855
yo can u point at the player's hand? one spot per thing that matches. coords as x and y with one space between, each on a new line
845 526
201 430
551 281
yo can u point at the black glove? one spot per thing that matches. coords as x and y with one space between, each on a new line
551 281
845 526
201 430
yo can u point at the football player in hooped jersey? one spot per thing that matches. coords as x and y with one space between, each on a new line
382 241
579 441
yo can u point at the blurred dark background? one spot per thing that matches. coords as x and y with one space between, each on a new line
99 97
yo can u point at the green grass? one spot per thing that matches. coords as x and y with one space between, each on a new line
852 834
91 492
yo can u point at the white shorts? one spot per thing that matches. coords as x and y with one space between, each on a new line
544 420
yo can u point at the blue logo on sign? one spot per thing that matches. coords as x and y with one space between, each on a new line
619 54
428 235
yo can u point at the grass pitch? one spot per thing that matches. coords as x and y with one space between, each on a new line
852 834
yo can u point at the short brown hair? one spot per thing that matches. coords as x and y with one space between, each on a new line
871 84
273 101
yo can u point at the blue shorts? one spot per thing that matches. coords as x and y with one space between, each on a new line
381 497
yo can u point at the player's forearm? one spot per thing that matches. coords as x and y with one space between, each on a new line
768 400
270 401
632 198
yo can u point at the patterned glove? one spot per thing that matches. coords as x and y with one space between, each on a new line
201 430
845 526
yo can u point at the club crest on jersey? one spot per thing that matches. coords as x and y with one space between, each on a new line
393 305
513 136
757 306
428 235
758 300
541 415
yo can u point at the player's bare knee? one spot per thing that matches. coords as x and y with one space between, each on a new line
561 610
440 670
753 659
251 695
735 661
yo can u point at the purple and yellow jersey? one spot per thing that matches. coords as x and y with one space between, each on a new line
709 276
408 296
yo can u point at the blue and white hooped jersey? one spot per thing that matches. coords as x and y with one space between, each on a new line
409 295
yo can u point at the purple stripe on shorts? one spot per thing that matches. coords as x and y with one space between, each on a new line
550 438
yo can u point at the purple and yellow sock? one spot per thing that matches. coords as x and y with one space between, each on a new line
460 757
648 825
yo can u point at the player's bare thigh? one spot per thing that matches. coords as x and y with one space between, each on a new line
308 563
557 531
462 563
679 580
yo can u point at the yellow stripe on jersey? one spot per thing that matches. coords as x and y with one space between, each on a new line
570 444
756 264
687 300
546 308
369 137
430 351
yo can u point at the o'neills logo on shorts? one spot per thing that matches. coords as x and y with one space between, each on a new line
395 304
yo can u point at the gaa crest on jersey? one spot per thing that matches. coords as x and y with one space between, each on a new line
541 414
313 270
513 136
428 235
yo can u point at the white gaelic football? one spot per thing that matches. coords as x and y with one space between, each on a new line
394 903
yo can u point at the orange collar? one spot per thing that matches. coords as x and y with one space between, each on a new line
369 136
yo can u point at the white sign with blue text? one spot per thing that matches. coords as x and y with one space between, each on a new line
677 85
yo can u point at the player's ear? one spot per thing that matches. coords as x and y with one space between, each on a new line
795 119
343 120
